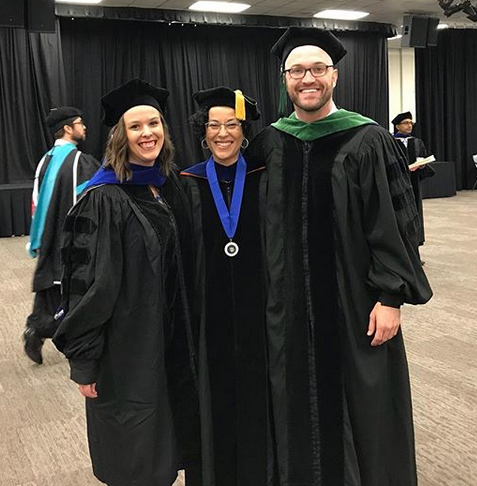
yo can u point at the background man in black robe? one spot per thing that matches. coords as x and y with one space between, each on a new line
60 176
414 148
340 232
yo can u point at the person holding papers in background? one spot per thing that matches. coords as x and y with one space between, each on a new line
415 149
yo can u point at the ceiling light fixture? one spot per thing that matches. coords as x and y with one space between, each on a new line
220 7
80 2
340 14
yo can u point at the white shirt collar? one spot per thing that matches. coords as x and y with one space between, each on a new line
59 142
334 109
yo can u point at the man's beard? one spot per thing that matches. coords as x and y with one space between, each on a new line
320 103
78 139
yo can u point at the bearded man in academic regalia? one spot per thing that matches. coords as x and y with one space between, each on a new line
339 233
60 177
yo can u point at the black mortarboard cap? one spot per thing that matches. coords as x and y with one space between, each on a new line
61 116
308 36
133 93
401 117
245 107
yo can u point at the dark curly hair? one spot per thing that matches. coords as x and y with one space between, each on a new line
201 117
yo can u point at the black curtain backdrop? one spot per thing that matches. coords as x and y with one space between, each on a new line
31 81
89 56
446 98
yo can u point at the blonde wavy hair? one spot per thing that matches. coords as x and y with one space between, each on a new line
117 154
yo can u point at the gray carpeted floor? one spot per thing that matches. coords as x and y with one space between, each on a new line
42 425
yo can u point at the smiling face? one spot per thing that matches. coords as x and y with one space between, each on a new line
224 143
311 97
145 134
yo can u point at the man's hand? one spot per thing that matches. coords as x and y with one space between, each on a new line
384 323
88 391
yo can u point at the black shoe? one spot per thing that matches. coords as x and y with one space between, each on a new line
33 345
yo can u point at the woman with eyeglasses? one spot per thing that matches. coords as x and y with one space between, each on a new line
224 193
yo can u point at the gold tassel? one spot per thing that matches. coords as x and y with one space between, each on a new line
239 105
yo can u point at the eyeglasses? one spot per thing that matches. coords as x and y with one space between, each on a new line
406 123
229 126
78 123
299 72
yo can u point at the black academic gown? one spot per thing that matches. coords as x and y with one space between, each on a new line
48 268
340 235
416 148
230 310
126 327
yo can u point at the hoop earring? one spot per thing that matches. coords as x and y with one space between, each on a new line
245 143
203 144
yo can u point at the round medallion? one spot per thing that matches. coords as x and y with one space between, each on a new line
231 249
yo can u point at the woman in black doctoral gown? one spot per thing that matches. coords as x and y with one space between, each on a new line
232 372
125 324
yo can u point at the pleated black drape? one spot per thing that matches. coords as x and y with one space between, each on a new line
446 97
100 54
363 76
31 82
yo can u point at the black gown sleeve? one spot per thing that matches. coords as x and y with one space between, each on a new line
421 151
390 215
92 257
256 150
